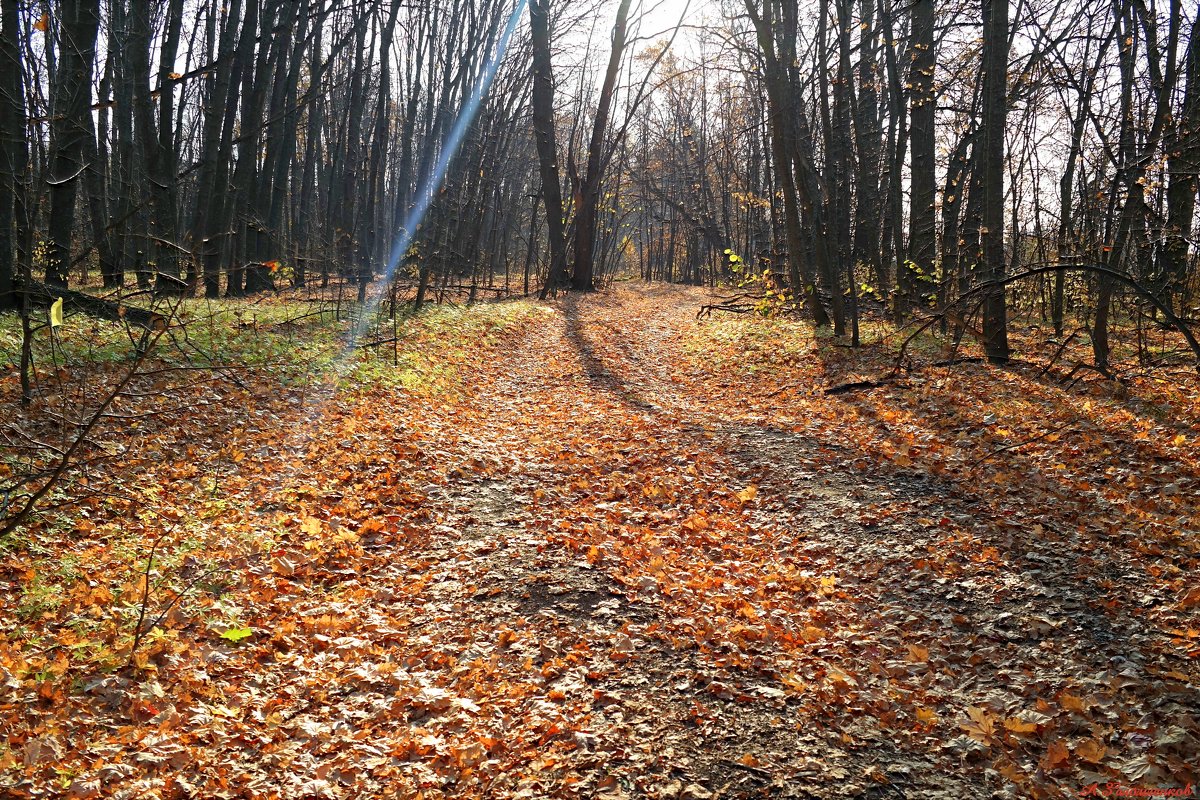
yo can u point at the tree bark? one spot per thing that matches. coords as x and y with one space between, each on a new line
1183 167
919 269
589 194
13 151
991 170
547 147
71 103
782 114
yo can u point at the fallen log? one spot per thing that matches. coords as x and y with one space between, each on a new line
43 295
856 386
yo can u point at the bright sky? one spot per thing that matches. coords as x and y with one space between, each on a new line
663 14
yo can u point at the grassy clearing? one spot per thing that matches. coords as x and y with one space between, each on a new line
287 335
429 351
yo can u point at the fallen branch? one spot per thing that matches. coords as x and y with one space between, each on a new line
44 295
1016 445
733 305
855 386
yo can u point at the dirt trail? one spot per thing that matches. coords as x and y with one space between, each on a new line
899 636
584 575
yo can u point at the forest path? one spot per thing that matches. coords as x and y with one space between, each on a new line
611 563
712 601
789 619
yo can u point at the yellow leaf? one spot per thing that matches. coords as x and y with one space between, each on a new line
1091 751
748 494
1020 726
927 716
56 313
311 526
918 654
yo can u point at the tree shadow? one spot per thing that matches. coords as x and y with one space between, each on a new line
1010 615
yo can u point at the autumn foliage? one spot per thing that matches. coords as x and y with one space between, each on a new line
598 548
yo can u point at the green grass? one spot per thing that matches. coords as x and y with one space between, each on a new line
274 340
433 347
294 339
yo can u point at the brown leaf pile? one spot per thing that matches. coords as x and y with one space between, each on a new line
633 555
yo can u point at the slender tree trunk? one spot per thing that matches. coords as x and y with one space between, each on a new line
991 171
379 147
782 114
1067 241
315 117
1133 159
207 236
589 194
867 137
544 134
1183 167
917 273
161 151
13 150
893 240
71 102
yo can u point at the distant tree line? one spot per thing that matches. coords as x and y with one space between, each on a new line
841 152
911 152
227 147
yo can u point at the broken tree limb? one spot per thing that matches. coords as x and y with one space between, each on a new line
856 386
42 295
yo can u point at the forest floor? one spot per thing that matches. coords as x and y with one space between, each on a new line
611 551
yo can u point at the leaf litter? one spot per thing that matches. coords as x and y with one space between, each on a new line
633 555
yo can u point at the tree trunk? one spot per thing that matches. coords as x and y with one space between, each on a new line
71 103
991 171
867 137
207 236
161 152
13 151
919 270
589 194
544 134
782 115
1183 167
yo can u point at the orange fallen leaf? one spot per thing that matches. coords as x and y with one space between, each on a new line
1091 751
1070 702
1020 726
980 725
1191 599
1057 756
